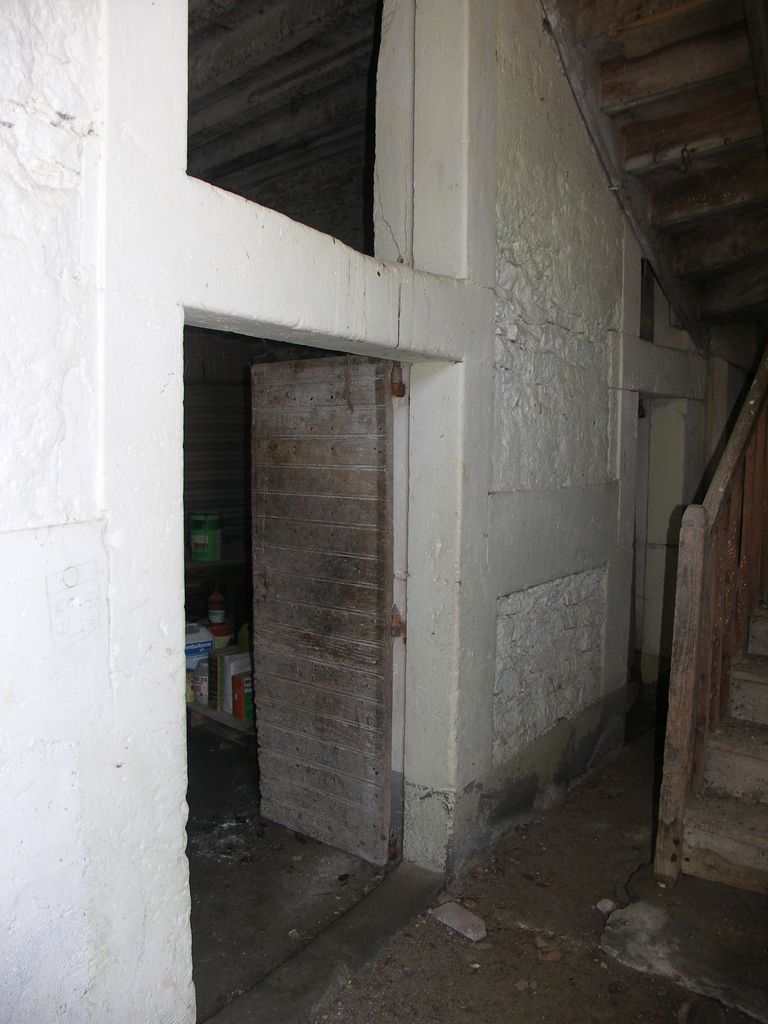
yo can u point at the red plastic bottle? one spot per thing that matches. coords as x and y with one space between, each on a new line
216 606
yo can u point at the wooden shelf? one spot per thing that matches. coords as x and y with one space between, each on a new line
221 722
224 565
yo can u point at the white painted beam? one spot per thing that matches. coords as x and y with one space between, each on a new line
454 141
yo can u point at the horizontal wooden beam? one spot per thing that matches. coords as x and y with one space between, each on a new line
731 118
742 294
610 29
629 83
724 186
721 241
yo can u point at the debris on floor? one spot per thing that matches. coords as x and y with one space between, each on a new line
461 920
606 906
590 845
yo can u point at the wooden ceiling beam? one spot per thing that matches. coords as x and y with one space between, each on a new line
625 84
730 119
583 78
611 29
721 241
756 12
725 185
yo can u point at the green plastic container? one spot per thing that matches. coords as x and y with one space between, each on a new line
205 536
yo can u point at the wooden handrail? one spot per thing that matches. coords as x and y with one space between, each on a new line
722 571
738 440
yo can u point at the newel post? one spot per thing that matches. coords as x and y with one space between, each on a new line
689 658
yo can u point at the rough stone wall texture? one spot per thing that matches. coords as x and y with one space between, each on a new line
559 260
49 125
559 293
549 644
559 230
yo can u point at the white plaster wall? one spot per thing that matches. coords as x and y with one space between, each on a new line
49 143
95 902
53 583
559 303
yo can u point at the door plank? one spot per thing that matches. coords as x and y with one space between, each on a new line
362 453
337 539
339 481
323 508
311 750
314 672
328 728
366 598
348 654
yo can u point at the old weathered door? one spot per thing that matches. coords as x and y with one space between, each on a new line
322 574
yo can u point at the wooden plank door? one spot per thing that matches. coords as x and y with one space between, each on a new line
322 576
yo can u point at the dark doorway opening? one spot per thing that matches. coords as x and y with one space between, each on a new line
261 885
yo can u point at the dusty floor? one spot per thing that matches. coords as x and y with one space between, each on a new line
259 891
542 960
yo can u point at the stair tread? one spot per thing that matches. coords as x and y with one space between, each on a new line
741 737
740 820
753 667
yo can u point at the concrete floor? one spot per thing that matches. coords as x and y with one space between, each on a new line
259 891
699 955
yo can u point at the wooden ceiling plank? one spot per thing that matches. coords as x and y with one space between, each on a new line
582 76
629 83
742 294
756 12
720 242
205 16
731 119
610 29
739 183
277 86
252 181
256 141
270 31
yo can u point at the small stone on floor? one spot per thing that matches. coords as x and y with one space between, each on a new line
461 920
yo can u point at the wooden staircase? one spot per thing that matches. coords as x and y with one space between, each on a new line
713 809
674 94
